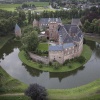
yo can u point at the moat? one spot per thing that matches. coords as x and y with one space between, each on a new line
12 65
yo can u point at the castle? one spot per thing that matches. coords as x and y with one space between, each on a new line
67 39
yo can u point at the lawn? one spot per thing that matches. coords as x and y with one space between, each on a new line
74 65
12 7
43 47
14 98
9 7
4 40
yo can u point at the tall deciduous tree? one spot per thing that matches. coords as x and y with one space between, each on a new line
29 16
86 26
30 41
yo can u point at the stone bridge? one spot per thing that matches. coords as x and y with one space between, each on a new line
35 57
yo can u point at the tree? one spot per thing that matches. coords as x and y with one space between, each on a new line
86 26
36 92
28 29
1 86
29 16
30 41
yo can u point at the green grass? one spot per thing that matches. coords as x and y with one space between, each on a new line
43 47
12 7
9 7
4 40
10 84
14 98
74 65
90 91
86 91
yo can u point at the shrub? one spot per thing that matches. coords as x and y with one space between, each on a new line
40 66
81 59
56 65
69 66
50 63
36 92
66 62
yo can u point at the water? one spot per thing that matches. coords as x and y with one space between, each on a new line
12 65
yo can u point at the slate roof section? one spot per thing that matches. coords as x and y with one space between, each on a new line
75 21
17 28
68 45
67 26
56 48
70 33
62 31
47 20
73 29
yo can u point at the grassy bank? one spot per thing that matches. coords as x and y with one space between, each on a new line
85 92
9 84
74 65
90 91
14 98
4 40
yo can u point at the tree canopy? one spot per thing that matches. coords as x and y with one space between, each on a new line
36 92
30 41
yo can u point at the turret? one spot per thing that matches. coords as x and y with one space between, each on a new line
17 31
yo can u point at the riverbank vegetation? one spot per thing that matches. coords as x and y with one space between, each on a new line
69 67
9 84
90 91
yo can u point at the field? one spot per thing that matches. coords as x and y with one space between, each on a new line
12 7
9 7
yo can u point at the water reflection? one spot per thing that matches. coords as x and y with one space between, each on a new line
32 71
59 76
8 48
97 50
12 64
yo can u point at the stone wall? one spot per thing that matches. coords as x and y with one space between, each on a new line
56 55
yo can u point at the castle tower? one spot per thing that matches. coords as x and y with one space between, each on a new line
53 30
35 23
17 31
